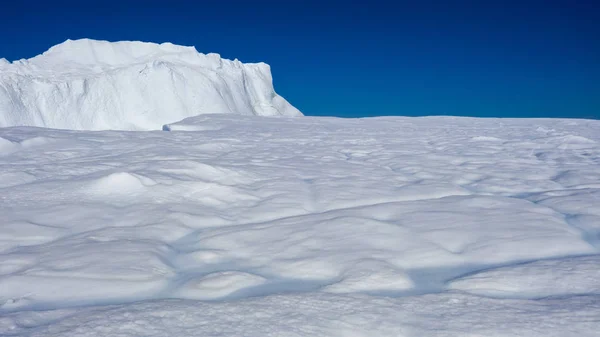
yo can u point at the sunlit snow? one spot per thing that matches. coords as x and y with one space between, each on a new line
129 85
226 225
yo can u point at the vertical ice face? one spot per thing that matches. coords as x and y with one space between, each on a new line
95 85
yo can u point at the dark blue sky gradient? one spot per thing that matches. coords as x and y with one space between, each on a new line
359 58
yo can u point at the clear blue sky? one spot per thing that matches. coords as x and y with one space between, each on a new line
361 58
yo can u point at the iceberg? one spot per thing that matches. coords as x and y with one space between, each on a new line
99 85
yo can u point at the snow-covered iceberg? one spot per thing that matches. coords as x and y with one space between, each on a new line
96 85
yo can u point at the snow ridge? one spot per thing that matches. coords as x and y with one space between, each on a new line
96 85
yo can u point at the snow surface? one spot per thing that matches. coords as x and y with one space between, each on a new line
252 226
99 85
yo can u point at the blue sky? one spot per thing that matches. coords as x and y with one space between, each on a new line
351 59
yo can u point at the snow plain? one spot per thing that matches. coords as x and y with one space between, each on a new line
228 225
129 85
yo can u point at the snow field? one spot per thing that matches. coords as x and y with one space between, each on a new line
251 226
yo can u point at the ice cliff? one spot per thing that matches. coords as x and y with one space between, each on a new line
96 85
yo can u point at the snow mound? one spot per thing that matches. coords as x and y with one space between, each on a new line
96 85
486 139
120 183
575 142
6 146
569 276
372 276
219 285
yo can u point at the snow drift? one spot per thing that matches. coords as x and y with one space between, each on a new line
95 85
392 226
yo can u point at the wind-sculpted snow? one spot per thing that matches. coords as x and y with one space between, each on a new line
99 85
252 226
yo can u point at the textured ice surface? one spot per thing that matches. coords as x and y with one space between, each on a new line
252 226
97 85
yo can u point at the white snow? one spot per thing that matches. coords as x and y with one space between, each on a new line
98 85
568 276
232 225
